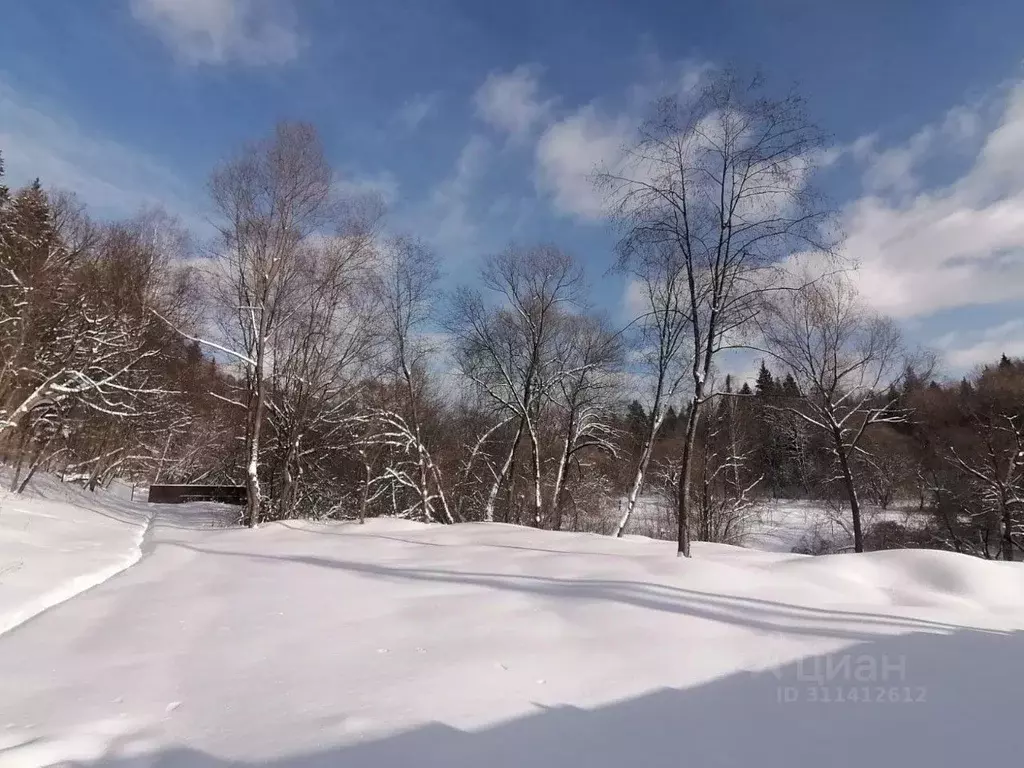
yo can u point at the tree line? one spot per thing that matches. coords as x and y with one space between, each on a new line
308 352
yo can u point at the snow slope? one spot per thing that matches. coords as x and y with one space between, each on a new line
396 644
57 540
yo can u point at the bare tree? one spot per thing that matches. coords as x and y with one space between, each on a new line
982 448
589 355
270 200
321 348
845 359
663 332
721 180
507 350
406 284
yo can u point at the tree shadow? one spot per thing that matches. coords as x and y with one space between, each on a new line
916 699
752 613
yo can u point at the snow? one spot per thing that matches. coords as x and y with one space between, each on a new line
394 643
57 541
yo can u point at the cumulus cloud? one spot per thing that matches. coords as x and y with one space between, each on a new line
594 137
509 101
956 245
251 32
568 153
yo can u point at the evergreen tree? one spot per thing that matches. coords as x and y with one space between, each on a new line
671 423
789 387
636 418
745 389
911 381
1005 363
765 386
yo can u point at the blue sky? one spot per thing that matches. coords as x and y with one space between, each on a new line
478 121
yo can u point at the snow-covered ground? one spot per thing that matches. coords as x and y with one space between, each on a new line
397 644
772 525
57 540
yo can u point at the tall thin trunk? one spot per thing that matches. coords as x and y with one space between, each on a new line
286 505
23 438
163 457
34 464
364 499
683 539
559 489
851 491
254 495
538 494
641 472
492 496
1007 537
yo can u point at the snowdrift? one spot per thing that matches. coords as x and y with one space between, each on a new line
393 644
57 540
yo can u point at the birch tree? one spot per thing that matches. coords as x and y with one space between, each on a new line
321 348
663 329
721 179
270 200
589 356
407 275
844 358
506 348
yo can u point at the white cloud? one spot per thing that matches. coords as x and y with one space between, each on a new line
964 350
37 140
568 153
592 137
252 32
383 185
957 245
896 169
509 101
416 110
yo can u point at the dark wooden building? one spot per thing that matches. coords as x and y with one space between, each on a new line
179 494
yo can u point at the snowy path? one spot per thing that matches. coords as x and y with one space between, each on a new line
58 541
393 644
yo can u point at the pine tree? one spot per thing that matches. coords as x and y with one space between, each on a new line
1005 363
765 386
911 381
671 424
789 387
636 418
745 389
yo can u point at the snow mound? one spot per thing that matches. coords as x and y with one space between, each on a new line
57 541
917 576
